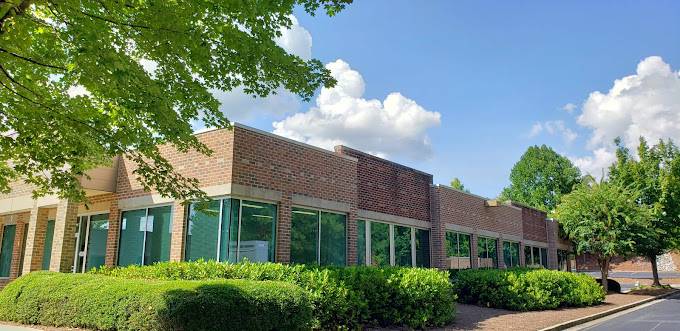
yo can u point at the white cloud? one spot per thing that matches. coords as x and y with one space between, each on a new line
553 128
596 164
239 106
296 40
569 108
645 104
394 126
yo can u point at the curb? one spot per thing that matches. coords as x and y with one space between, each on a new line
582 320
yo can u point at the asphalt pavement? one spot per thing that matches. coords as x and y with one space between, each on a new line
659 315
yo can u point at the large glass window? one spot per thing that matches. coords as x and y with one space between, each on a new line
544 257
47 248
380 244
98 235
231 230
304 236
487 256
457 250
361 242
510 254
402 246
536 256
145 236
422 248
391 244
562 260
6 249
333 245
318 237
203 231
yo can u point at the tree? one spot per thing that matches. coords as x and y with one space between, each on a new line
458 185
84 81
656 176
602 219
540 178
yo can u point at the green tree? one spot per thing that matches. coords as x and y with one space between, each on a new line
602 219
50 49
458 185
540 178
655 174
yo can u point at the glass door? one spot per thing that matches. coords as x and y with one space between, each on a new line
91 240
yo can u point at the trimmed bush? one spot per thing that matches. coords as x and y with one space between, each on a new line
107 303
526 289
349 297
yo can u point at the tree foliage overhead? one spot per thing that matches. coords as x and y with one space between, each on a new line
74 92
655 175
602 218
540 178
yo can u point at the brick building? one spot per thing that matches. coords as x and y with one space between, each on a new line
274 199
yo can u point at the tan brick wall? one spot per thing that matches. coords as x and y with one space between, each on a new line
35 239
587 262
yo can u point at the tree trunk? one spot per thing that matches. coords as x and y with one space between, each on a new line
604 272
655 270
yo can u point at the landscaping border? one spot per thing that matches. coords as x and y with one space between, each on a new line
589 318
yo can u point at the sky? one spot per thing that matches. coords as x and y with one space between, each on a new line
463 88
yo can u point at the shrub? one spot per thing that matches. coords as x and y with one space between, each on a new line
526 289
107 303
348 297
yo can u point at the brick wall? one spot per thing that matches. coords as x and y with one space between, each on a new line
587 262
209 170
451 206
534 225
389 187
471 211
268 162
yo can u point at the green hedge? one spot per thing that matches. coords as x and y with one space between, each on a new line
342 297
107 303
526 289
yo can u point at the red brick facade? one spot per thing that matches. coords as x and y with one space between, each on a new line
251 164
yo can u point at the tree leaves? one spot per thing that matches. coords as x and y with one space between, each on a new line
540 178
52 48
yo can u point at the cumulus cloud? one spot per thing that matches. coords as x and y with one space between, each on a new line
296 40
645 104
396 125
240 106
553 128
569 108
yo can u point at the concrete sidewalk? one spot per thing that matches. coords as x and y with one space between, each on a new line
16 328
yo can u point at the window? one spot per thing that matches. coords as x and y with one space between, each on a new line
361 242
510 254
380 244
487 256
536 256
391 244
231 230
402 246
47 248
145 236
422 248
6 249
544 257
563 260
318 237
457 250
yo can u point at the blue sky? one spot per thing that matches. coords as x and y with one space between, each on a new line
499 75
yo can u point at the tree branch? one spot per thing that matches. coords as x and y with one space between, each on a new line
31 60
